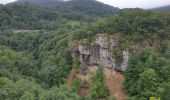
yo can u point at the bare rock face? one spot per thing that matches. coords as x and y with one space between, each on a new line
101 54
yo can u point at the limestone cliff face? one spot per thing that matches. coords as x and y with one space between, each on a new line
101 53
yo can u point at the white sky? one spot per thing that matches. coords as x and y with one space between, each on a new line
137 3
6 1
126 3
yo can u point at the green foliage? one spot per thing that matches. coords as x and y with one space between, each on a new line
118 55
14 64
166 92
76 63
4 81
76 85
134 24
90 7
61 93
74 23
49 17
22 89
98 87
145 74
112 98
148 83
26 16
42 56
27 96
28 90
165 48
33 66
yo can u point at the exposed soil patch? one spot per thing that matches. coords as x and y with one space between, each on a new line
84 91
70 79
114 81
84 80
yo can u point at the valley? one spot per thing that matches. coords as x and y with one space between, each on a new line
83 50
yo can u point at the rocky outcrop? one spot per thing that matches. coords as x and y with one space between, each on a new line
101 53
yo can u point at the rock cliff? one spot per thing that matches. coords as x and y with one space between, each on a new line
101 53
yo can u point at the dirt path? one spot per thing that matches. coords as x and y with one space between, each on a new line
114 81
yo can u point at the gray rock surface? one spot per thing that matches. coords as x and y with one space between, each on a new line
101 54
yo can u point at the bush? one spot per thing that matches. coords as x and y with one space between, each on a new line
98 87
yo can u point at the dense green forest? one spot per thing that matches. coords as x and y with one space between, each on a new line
35 65
65 15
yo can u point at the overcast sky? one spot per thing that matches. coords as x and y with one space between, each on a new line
126 3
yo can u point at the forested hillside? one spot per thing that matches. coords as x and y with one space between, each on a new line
35 65
162 9
36 58
68 14
88 7
46 3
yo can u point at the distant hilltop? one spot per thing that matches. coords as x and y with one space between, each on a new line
41 2
162 9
